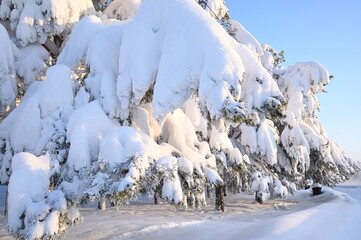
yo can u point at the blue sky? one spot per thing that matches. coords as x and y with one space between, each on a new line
328 32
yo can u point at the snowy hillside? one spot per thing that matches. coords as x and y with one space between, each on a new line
164 99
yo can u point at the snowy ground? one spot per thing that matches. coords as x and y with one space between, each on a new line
332 215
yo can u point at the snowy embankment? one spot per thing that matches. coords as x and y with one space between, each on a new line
332 215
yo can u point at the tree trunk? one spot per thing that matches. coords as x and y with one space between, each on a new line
209 192
6 201
156 198
102 204
220 198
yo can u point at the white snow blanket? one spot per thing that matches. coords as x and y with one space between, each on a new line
338 216
331 215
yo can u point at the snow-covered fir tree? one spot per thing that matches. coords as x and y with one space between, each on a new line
35 21
150 97
20 66
8 81
34 211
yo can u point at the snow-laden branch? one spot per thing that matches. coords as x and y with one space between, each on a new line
34 21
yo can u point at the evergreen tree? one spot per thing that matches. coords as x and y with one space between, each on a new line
8 81
35 21
129 107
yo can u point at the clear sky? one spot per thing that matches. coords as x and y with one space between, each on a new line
324 31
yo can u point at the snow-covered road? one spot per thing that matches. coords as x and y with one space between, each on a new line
337 216
332 215
351 190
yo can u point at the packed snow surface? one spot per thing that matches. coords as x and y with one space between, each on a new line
331 215
336 216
